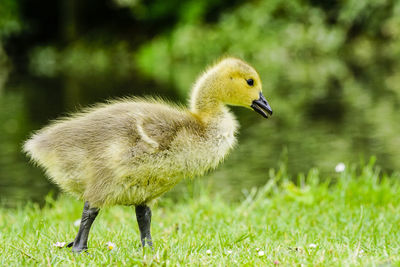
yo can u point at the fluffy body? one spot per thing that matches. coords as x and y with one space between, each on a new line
131 151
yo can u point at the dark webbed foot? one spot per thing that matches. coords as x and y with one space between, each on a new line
80 242
143 216
79 249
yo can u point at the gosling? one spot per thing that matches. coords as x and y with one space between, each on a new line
131 151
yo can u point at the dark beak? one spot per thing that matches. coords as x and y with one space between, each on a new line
261 106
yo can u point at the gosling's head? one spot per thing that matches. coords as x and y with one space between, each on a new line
234 82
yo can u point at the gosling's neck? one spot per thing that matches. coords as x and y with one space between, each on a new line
205 102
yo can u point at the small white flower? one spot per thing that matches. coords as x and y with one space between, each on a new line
229 252
77 222
208 252
312 245
257 249
261 253
110 245
340 167
360 253
59 244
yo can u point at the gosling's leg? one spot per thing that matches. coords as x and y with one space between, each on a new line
88 215
143 216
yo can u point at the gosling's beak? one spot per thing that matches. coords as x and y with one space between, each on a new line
261 106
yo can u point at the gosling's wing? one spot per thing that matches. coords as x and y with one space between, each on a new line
162 124
141 126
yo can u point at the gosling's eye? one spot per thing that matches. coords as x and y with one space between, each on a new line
250 82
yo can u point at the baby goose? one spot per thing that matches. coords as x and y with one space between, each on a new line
131 151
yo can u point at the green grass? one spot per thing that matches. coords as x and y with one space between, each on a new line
353 220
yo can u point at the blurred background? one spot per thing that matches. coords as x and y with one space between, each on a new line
330 70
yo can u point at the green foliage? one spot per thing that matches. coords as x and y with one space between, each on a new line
10 23
353 220
330 71
9 18
188 11
81 60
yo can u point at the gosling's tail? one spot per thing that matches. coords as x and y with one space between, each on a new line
29 146
35 148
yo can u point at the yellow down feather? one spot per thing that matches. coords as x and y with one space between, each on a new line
132 150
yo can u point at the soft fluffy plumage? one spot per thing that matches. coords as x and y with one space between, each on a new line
129 152
133 150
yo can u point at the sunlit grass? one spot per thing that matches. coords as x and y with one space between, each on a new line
352 219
